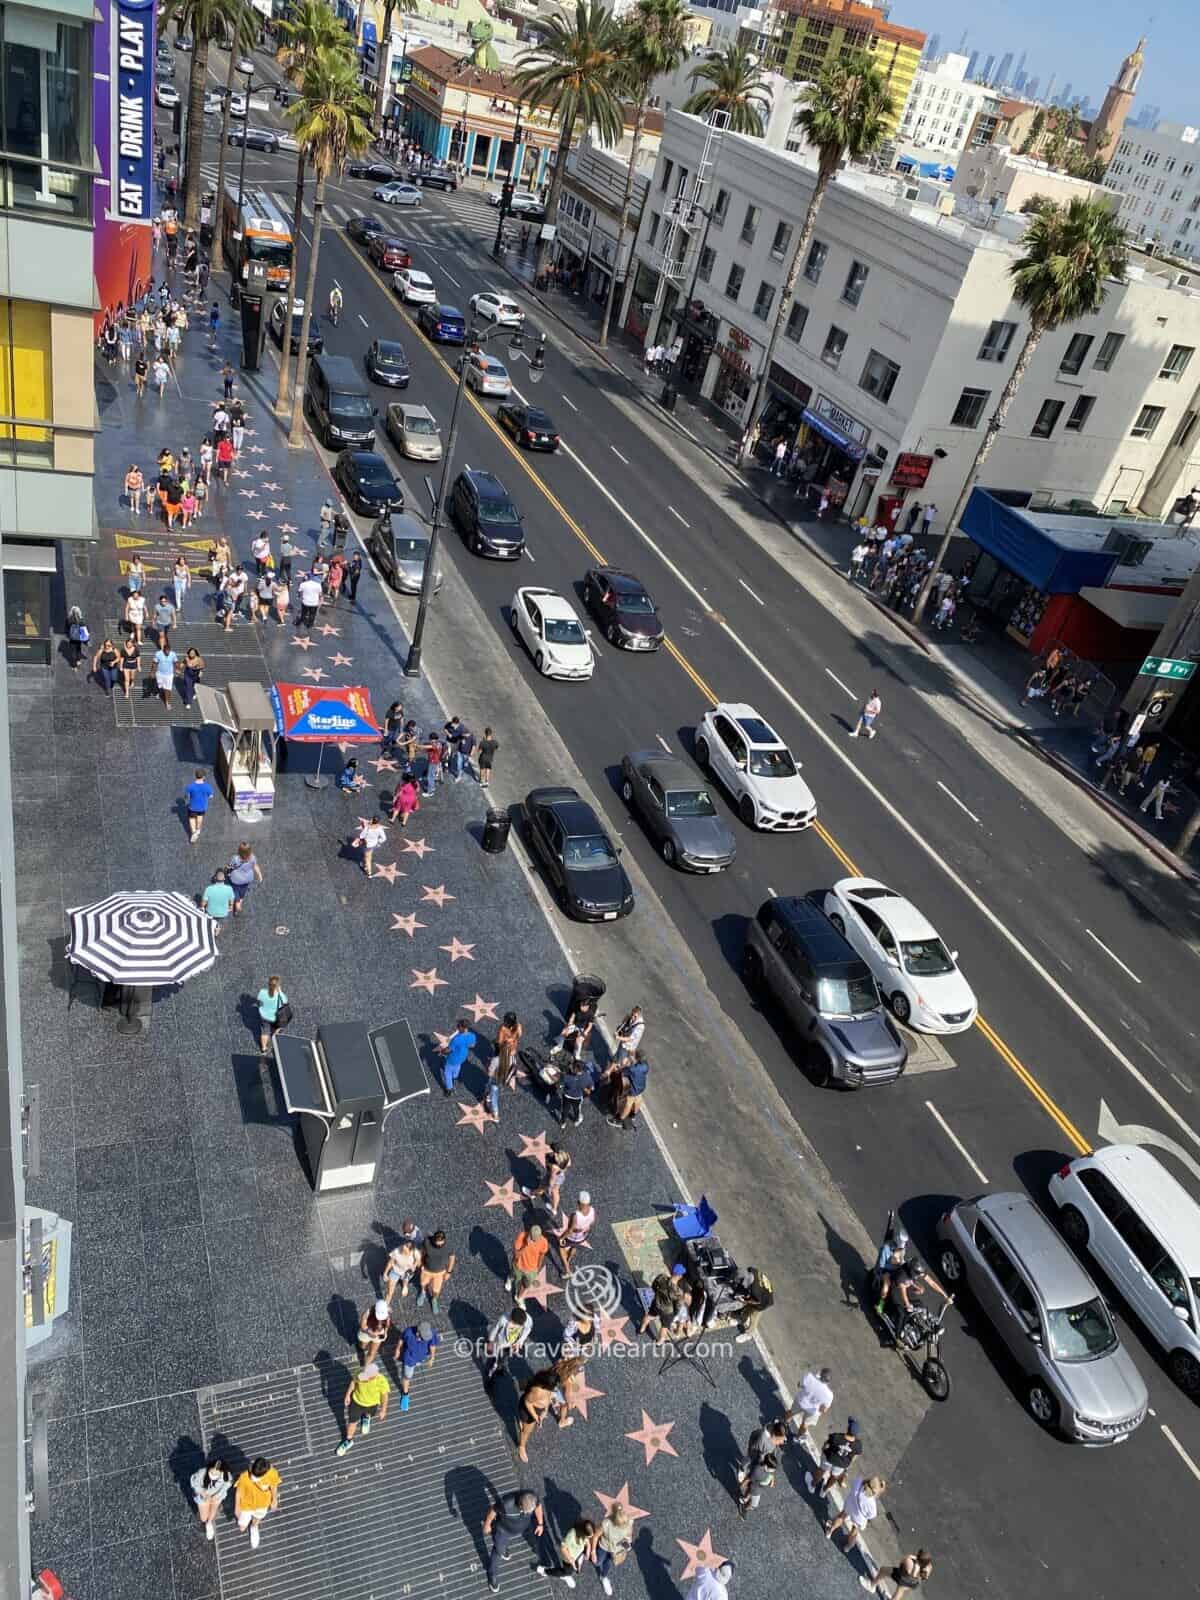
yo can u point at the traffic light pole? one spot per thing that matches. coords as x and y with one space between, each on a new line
508 187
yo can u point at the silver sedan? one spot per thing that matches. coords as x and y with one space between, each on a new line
673 802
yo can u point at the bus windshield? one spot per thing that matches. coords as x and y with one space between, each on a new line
273 251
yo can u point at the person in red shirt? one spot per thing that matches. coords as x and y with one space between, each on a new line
224 458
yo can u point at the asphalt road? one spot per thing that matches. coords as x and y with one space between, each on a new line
991 1480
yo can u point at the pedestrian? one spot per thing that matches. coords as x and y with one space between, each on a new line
237 432
573 1087
508 1043
810 1403
711 1583
627 1092
437 1263
134 486
573 1551
78 637
260 549
288 551
164 620
529 1252
217 899
433 763
510 1518
129 664
612 1544
458 1048
908 1576
668 1303
629 1035
281 598
141 371
858 560
181 579
451 733
354 572
105 665
418 1345
780 457
371 834
310 600
193 671
325 518
573 1236
1156 798
487 757
838 1454
554 1174
367 1396
255 1494
164 674
392 727
763 1446
753 1478
210 1485
227 380
927 515
859 1511
243 871
538 1399
374 1330
274 1012
162 373
757 1295
872 706
914 514
403 1263
135 615
224 458
405 801
505 1339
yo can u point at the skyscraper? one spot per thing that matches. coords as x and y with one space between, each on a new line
972 64
933 47
988 64
1005 67
1031 87
1049 96
1064 98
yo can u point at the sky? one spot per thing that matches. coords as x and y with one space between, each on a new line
1081 41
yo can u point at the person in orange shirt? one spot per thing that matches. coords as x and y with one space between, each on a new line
255 1493
530 1249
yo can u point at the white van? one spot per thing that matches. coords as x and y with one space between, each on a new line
1141 1225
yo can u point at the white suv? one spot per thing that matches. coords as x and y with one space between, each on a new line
753 764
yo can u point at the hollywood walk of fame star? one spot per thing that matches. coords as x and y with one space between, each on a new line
254 449
405 924
339 660
427 980
305 644
652 1436
274 487
256 516
345 750
608 1501
612 1330
699 1555
390 871
503 1194
540 1290
457 951
579 1395
237 472
248 494
327 630
474 1116
315 673
436 896
288 527
534 1145
279 505
441 1041
384 765
418 847
481 1008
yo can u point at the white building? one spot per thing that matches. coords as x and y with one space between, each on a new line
1157 173
903 333
941 108
589 208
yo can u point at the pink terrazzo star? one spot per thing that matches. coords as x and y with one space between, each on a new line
327 630
278 505
390 871
384 765
273 487
612 1330
579 1395
339 660
481 1008
429 981
418 847
608 1501
457 951
254 449
315 673
652 1436
699 1555
257 516
476 1116
301 641
436 896
248 494
441 1041
506 1195
534 1145
288 527
541 1289
405 924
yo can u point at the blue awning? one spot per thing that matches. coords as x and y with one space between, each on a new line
851 447
369 34
1015 540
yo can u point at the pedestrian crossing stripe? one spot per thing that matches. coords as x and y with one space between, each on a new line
126 541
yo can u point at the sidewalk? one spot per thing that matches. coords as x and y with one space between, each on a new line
213 1296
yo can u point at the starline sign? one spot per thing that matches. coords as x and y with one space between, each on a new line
133 118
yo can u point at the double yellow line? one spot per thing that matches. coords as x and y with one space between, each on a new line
1011 1060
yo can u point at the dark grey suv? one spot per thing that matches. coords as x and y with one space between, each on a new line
826 991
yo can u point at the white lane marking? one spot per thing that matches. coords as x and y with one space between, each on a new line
618 454
900 819
949 793
363 320
955 1140
750 591
1112 956
772 892
1180 1451
592 645
663 742
1186 1087
453 279
571 403
845 687
678 518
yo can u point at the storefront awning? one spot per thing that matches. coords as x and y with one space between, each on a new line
850 447
1014 539
1131 608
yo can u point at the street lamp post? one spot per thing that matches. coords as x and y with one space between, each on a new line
507 189
249 77
412 666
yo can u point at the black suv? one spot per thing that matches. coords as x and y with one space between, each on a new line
826 992
486 516
434 177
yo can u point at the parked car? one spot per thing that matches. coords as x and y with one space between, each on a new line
414 432
620 604
495 306
275 323
237 105
436 177
256 139
381 171
414 288
486 516
579 858
552 633
387 363
388 252
486 375
368 482
443 324
212 104
400 546
826 993
166 95
522 204
1077 1377
362 229
398 194
755 767
677 810
530 426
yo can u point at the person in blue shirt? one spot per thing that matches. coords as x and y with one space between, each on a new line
350 780
417 1345
462 1042
218 899
199 792
632 1087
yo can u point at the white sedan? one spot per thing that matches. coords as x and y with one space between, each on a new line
499 308
237 106
166 95
398 194
553 634
917 975
414 288
486 375
756 768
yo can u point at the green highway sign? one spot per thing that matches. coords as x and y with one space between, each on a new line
1164 667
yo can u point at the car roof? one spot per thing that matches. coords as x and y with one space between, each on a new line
407 410
905 921
449 311
830 953
575 815
405 526
552 604
1157 1196
1060 1279
739 712
499 294
361 457
622 582
671 771
482 479
489 361
415 272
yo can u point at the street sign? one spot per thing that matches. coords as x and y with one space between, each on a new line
1164 667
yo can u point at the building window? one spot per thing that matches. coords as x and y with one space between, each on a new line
1110 348
665 180
750 224
1176 363
783 238
652 231
835 343
1046 418
1148 419
855 280
1076 353
1080 412
968 413
733 284
720 207
1183 433
26 383
797 317
817 256
997 342
45 114
763 300
704 266
879 376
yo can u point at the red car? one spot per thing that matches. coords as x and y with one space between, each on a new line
389 252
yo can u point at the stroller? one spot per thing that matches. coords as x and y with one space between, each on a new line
546 1070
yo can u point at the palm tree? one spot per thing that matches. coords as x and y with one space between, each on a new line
243 33
655 42
573 71
382 52
1071 252
844 113
312 26
734 83
205 20
331 120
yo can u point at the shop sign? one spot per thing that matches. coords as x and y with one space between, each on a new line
572 233
911 471
739 340
871 474
789 383
733 358
133 110
1165 667
421 79
841 420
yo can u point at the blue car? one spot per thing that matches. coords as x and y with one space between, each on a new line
443 324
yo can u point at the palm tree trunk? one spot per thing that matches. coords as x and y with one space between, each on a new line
195 131
799 256
382 52
285 360
224 150
296 436
626 206
560 167
991 434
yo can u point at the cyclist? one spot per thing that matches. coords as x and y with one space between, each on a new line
909 1282
335 304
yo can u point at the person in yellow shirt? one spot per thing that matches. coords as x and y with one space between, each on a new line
366 1399
254 1494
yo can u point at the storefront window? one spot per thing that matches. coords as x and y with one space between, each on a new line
27 616
46 108
25 385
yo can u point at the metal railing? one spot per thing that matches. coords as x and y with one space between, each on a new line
59 190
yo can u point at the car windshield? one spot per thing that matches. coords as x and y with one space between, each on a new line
772 763
564 630
419 425
271 251
925 958
847 997
390 355
374 472
690 803
411 549
501 512
635 603
590 852
352 405
1081 1332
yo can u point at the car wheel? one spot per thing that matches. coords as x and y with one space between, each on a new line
950 1266
746 811
539 662
476 544
627 792
817 1069
752 967
702 752
837 922
1041 1404
901 1009
512 618
614 634
668 852
1185 1370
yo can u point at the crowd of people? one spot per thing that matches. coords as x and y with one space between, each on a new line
892 567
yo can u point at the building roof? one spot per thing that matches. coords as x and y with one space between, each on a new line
845 13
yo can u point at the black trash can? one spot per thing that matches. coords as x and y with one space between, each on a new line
495 832
669 396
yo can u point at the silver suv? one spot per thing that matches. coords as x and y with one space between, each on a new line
1078 1377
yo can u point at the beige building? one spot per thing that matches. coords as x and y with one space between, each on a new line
994 176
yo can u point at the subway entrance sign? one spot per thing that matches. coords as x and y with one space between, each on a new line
1164 667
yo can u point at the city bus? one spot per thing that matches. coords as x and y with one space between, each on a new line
259 232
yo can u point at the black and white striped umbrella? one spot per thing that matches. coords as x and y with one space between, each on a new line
143 937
